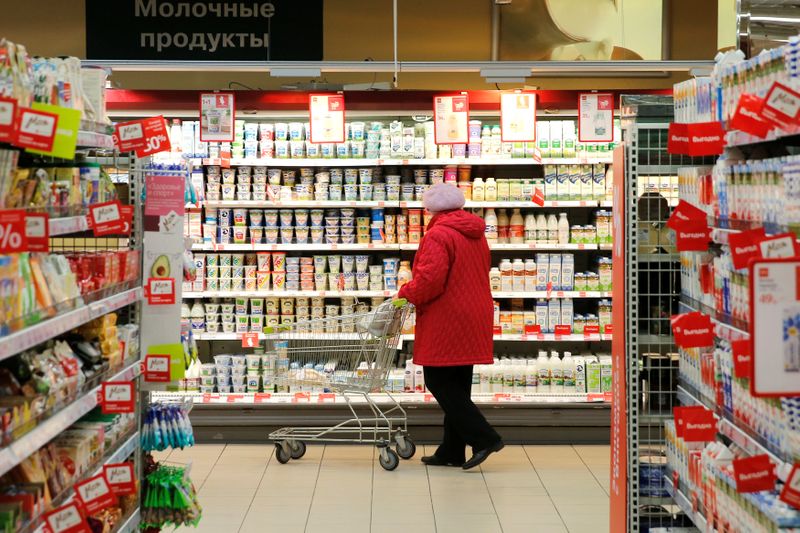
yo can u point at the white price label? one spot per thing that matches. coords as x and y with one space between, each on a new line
157 364
93 489
6 113
37 124
117 475
106 213
784 101
119 392
161 286
36 227
65 519
129 132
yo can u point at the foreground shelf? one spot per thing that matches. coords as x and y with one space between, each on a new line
542 337
686 506
67 225
350 162
365 204
53 327
377 247
385 294
17 451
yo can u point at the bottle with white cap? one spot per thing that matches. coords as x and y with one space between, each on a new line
543 367
568 369
556 373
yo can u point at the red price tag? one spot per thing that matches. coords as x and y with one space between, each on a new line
692 330
160 291
250 340
129 136
326 397
754 474
589 331
8 111
302 397
36 129
742 358
67 519
538 197
261 397
234 398
533 329
156 368
37 231
693 238
744 246
685 214
791 489
701 138
699 426
117 397
155 136
120 478
563 329
782 106
748 117
12 231
680 413
95 494
106 218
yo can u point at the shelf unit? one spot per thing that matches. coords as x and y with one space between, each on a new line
386 294
356 162
382 247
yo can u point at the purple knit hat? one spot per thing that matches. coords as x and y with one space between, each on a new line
443 197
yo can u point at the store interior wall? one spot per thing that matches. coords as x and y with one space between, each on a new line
455 31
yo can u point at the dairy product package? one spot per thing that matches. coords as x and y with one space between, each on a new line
541 314
598 182
554 272
543 138
556 139
580 374
570 139
567 312
587 188
553 314
605 373
567 272
550 182
574 182
562 182
542 271
593 376
791 339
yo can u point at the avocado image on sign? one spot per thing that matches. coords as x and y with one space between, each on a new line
160 268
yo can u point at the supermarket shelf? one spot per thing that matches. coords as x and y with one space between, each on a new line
262 336
605 246
17 451
740 138
686 506
363 204
67 225
409 337
734 430
334 162
405 398
131 525
92 139
211 247
385 294
122 452
53 327
731 328
528 246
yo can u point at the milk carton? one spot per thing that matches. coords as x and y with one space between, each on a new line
567 312
541 314
569 137
553 314
556 139
593 375
550 182
587 189
567 272
580 374
419 379
543 138
599 182
408 376
605 373
562 180
574 182
542 271
554 272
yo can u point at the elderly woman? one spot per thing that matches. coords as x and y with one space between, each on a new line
450 289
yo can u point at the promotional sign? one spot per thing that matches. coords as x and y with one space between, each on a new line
66 134
67 519
685 214
168 365
164 203
155 137
156 368
782 246
13 237
696 139
217 116
744 246
562 329
679 413
451 119
37 232
518 116
117 397
120 478
35 130
692 330
775 327
160 291
326 116
205 30
618 483
106 218
747 116
8 112
754 474
127 218
538 196
250 340
693 238
782 106
699 425
791 489
596 117
95 494
742 358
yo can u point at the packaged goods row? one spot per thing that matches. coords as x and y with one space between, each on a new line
376 225
713 281
553 272
38 286
259 183
385 140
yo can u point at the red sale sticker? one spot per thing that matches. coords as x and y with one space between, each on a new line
250 340
532 329
742 358
95 494
748 118
37 232
744 246
679 413
699 426
678 138
686 214
129 136
155 135
692 330
12 231
8 112
120 478
156 368
160 291
588 331
754 474
563 329
693 238
782 106
106 218
36 129
67 519
701 138
117 397
791 489
538 197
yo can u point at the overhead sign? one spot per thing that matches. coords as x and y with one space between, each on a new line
451 119
217 114
326 115
596 117
250 30
518 116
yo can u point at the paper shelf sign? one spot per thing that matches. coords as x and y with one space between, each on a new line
120 478
217 116
754 474
326 117
781 106
748 118
518 116
67 519
157 368
596 117
8 114
117 397
106 218
37 232
35 130
451 119
13 237
775 327
95 494
65 135
702 138
791 489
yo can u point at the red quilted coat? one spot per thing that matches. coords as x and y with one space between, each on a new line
450 289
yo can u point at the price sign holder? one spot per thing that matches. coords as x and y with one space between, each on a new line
160 291
120 478
596 117
95 494
217 116
67 519
106 218
775 317
326 116
117 397
37 232
13 237
451 119
8 113
35 130
156 368
518 116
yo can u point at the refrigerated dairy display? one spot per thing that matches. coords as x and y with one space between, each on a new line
743 191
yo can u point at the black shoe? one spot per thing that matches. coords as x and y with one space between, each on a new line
435 460
481 455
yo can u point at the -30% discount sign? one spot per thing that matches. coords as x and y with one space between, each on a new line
12 231
145 137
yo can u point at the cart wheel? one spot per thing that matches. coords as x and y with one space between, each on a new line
388 459
282 455
297 448
405 447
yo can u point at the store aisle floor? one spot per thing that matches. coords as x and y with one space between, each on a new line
524 489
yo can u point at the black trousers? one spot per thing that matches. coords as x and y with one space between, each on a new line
463 422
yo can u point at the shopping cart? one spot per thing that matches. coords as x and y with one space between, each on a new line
350 355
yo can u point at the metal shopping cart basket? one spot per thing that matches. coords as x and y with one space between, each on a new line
350 355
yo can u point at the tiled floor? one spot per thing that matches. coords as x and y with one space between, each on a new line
523 489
